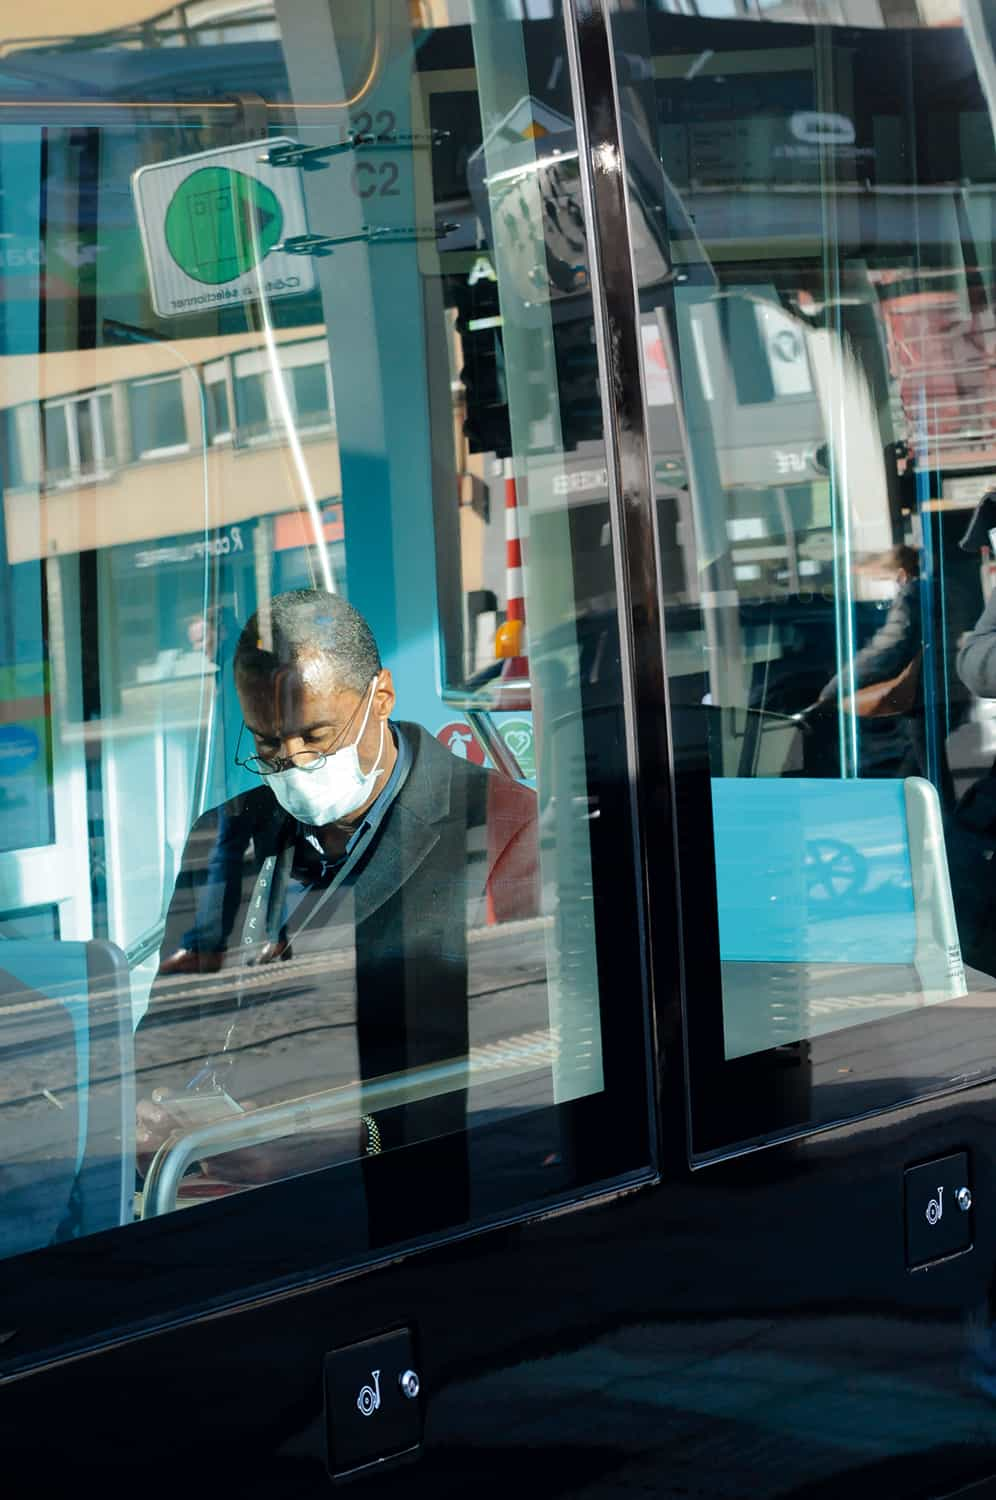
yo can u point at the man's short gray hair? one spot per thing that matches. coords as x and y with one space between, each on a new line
309 622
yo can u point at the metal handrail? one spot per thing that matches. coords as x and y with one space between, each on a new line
302 1116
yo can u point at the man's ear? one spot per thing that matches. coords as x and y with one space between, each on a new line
384 697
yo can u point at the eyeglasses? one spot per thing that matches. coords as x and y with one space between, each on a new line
301 760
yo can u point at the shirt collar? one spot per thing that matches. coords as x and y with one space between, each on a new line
379 808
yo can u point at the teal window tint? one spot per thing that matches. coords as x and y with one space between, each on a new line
26 780
35 922
25 762
12 469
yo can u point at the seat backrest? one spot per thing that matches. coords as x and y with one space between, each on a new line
67 1159
813 871
840 890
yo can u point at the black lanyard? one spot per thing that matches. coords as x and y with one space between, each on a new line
262 923
263 918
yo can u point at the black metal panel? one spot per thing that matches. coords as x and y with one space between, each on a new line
751 1332
631 499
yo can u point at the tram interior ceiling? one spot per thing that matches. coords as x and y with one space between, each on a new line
497 798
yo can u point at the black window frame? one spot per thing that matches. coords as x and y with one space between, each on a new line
733 1106
172 1270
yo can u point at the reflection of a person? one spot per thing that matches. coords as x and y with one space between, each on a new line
971 840
213 634
369 845
898 639
202 947
977 654
202 635
972 830
890 650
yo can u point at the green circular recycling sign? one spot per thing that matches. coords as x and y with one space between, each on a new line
220 223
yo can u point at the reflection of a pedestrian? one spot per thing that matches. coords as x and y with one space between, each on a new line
972 834
214 633
202 947
977 654
202 635
894 649
971 842
898 640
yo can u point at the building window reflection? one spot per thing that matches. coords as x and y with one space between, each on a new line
158 421
304 380
78 438
85 437
218 407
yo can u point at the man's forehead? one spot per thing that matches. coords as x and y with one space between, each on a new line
310 671
293 690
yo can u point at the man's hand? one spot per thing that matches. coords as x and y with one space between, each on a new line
823 708
252 1166
168 1113
249 1165
153 1124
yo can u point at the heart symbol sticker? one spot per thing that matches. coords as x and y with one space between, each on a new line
518 736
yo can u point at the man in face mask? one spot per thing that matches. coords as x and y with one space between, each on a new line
361 856
321 741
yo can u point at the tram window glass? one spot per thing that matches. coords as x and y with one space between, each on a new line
328 956
830 211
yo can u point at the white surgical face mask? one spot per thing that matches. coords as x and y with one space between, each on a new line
333 790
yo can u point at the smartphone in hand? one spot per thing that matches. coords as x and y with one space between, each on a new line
189 1110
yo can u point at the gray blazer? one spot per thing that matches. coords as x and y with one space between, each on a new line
977 657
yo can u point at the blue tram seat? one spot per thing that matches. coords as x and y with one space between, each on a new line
834 905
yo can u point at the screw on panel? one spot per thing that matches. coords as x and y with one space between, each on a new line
410 1384
963 1198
